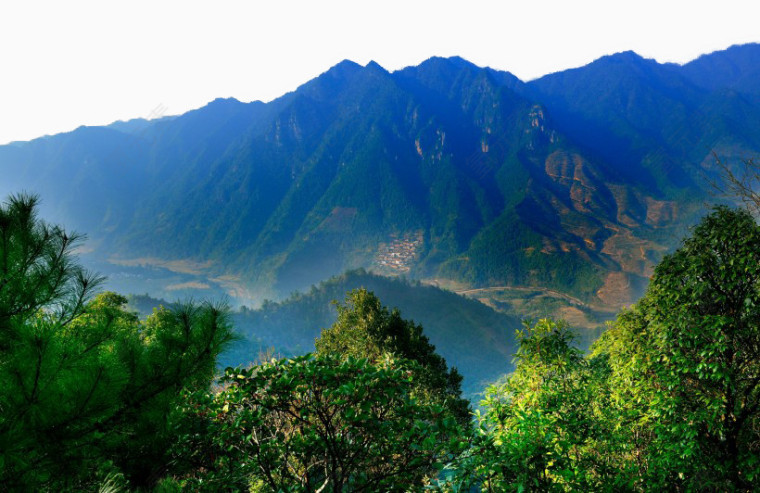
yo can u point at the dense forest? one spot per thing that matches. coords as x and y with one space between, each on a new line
95 399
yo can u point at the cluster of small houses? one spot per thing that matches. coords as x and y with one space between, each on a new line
399 253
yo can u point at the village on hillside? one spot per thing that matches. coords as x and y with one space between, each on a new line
398 254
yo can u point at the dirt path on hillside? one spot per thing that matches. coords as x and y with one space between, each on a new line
550 292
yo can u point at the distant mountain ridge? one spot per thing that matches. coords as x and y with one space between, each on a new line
476 339
578 181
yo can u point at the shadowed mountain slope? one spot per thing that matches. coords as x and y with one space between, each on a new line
466 176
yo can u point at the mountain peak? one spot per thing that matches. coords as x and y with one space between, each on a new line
437 69
344 67
737 67
733 52
452 61
302 187
628 56
339 71
373 65
223 102
338 78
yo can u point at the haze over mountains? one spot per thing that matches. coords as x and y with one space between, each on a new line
576 182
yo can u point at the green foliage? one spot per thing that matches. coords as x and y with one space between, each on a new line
685 360
668 400
538 430
85 388
366 329
315 423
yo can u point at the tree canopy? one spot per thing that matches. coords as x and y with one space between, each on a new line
86 389
686 360
319 424
367 329
374 409
667 400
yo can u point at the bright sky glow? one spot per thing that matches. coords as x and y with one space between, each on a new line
65 64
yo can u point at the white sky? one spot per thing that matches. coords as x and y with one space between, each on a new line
65 64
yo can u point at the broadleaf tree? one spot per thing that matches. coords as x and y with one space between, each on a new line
367 329
685 362
539 429
317 423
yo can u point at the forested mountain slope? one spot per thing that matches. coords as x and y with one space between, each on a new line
466 176
476 339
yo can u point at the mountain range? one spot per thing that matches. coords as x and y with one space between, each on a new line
461 176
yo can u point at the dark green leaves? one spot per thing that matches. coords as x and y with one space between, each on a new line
86 389
311 421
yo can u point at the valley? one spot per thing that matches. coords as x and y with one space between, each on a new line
552 197
379 247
